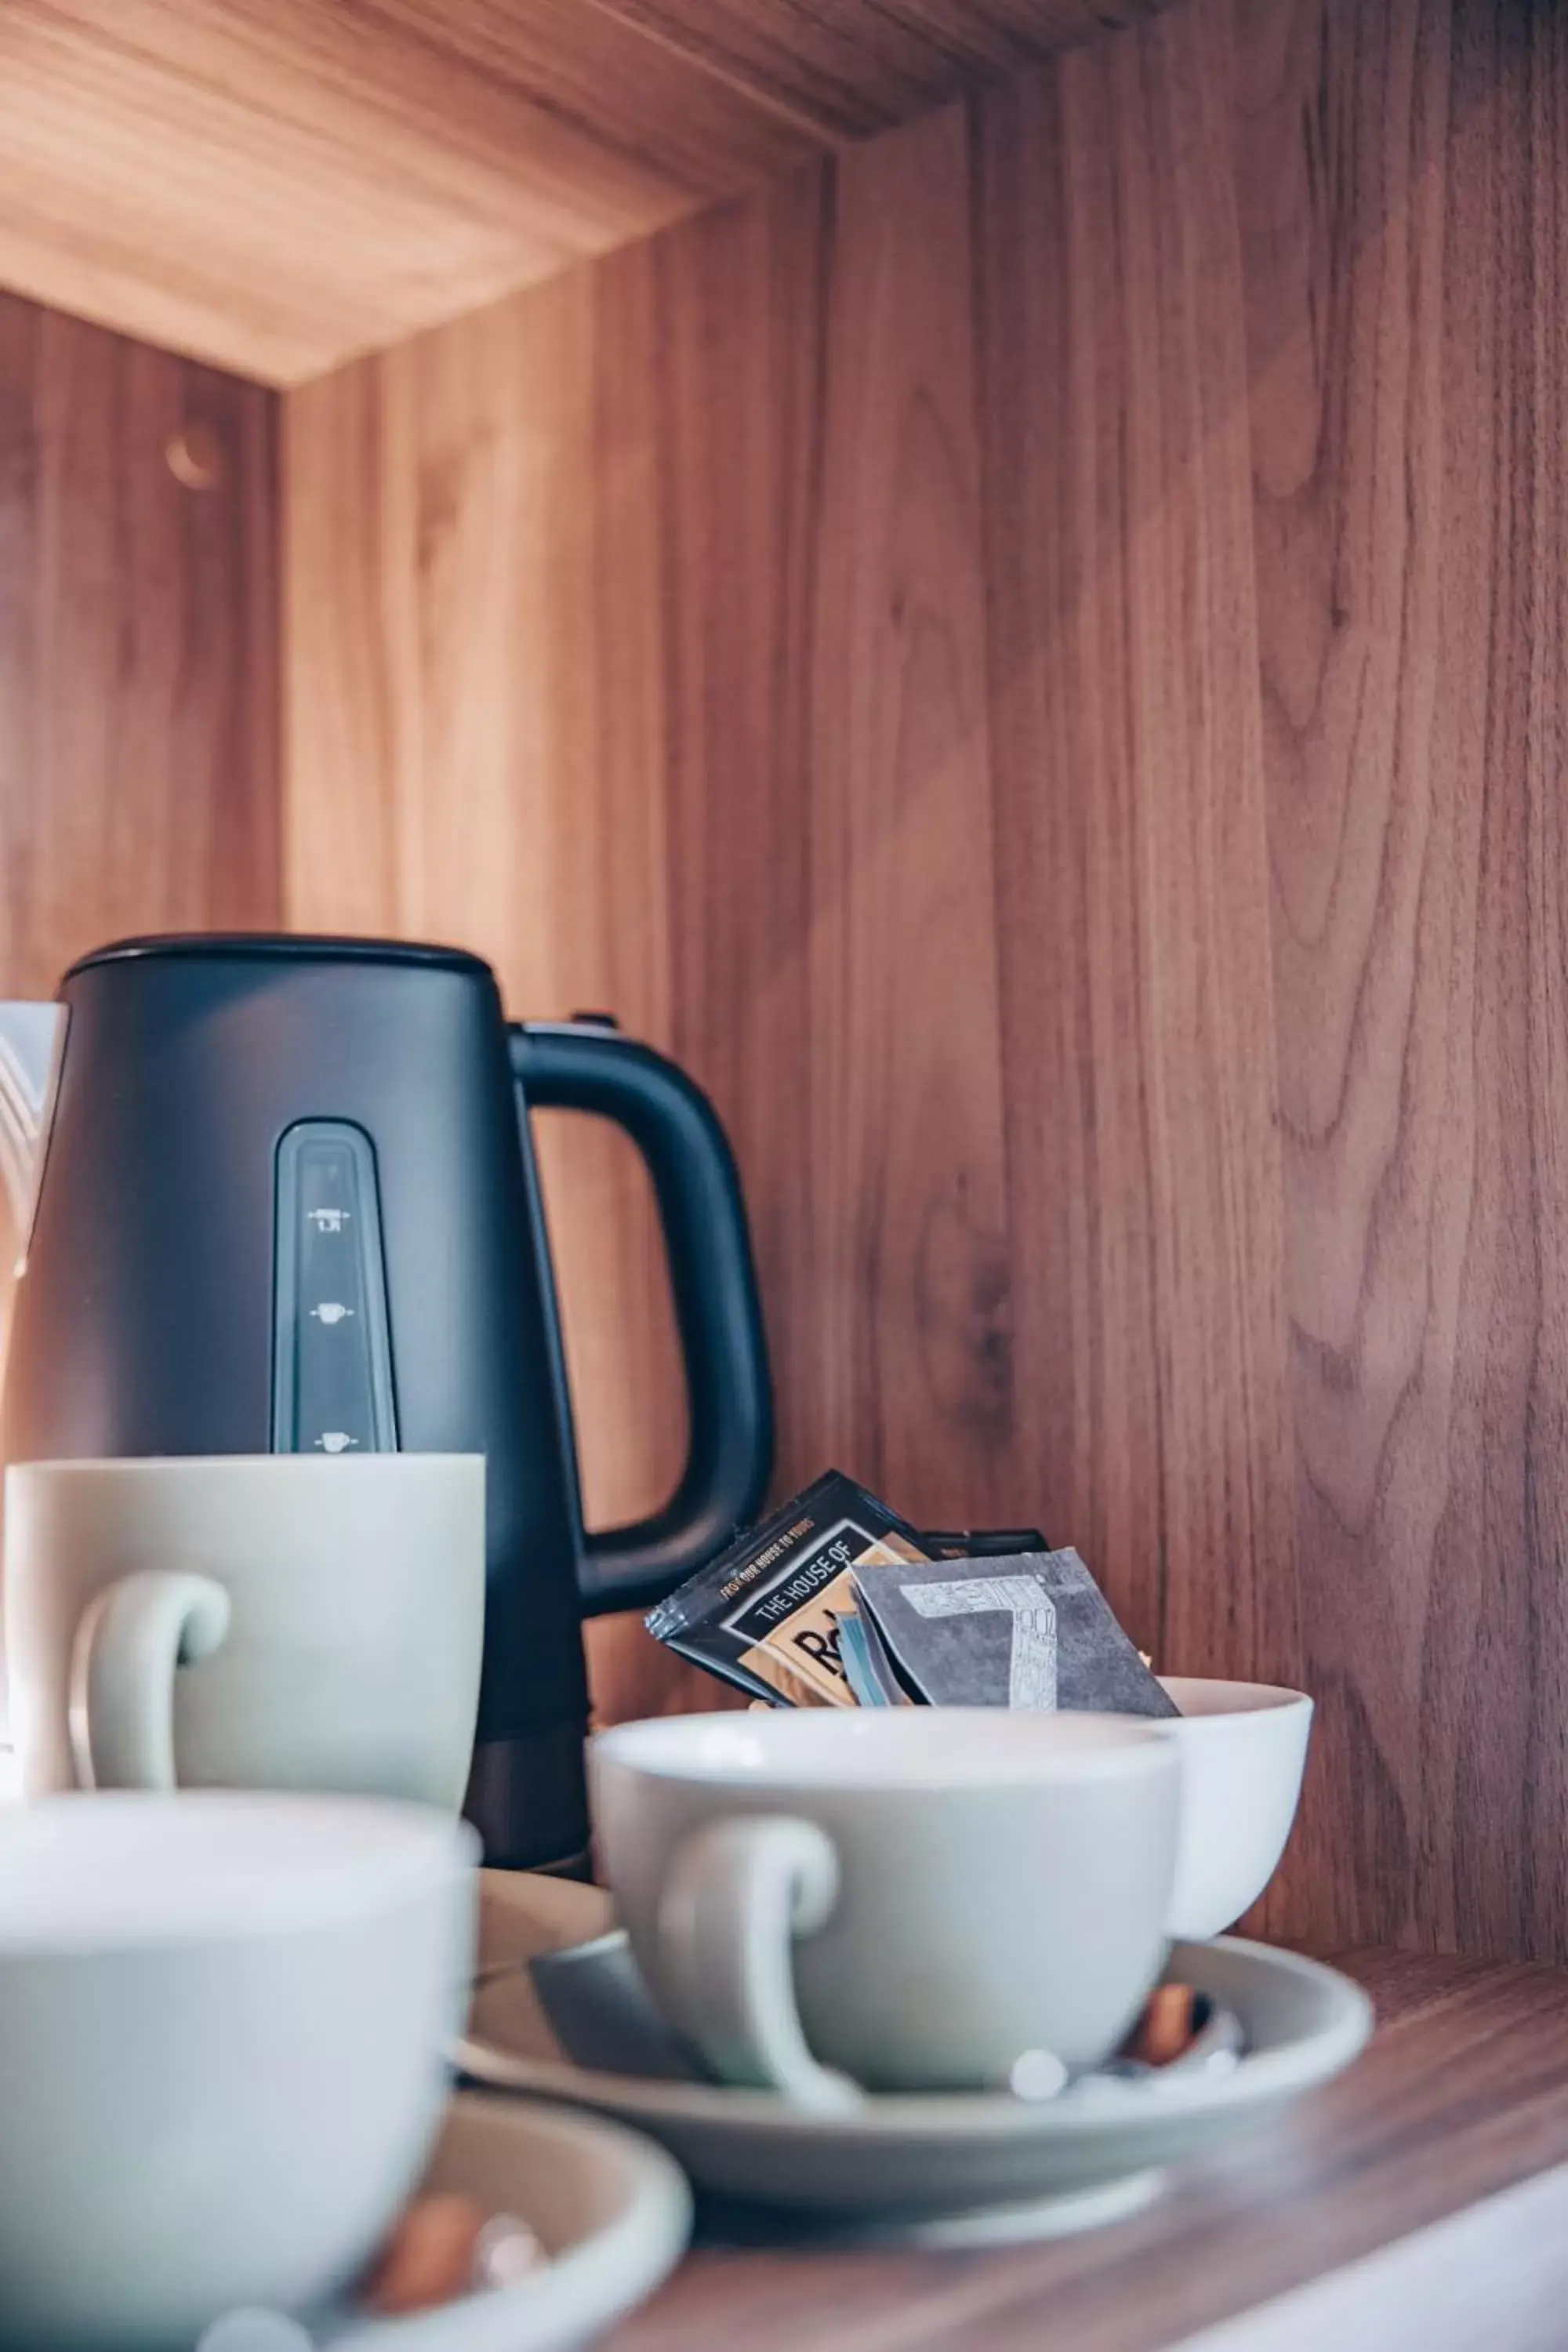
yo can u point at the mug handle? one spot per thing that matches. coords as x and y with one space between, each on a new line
736 1895
132 1637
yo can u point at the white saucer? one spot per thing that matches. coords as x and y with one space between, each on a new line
610 2209
947 2169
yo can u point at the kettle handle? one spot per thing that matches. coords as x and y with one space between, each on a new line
589 1066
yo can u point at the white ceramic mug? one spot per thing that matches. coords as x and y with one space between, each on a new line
267 1621
915 1899
223 2022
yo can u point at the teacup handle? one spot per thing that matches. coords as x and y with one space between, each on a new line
132 1637
736 1895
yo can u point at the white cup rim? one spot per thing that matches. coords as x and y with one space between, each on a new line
885 1749
192 1465
1232 1702
122 1870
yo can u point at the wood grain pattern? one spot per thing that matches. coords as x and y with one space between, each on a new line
811 470
1407 314
275 184
471 716
905 1080
854 69
716 342
1059 617
138 634
1134 918
1420 2200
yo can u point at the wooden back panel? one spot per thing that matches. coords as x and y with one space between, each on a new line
1032 659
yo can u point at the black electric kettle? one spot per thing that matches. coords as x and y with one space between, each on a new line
281 1196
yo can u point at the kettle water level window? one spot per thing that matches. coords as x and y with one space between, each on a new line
332 1352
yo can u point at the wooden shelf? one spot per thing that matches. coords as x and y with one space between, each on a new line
274 186
1422 2199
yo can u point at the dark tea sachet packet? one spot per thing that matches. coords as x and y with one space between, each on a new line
980 1543
1029 1630
870 1667
764 1613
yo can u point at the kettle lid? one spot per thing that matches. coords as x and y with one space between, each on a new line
279 946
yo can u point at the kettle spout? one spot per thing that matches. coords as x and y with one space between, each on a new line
31 1036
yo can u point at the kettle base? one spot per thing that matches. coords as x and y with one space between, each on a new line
578 1866
528 1799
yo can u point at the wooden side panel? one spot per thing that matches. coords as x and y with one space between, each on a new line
138 685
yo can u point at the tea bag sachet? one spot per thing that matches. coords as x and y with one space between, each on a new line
1028 1629
764 1614
980 1543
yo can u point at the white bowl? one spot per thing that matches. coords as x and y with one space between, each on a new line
1244 1749
223 2023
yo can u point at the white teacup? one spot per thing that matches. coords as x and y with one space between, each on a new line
1243 1749
977 1895
222 2028
272 1620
